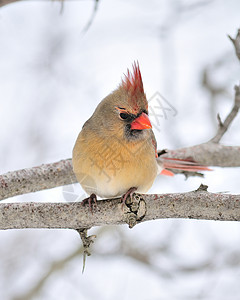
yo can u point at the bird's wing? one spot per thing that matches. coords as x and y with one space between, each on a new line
154 142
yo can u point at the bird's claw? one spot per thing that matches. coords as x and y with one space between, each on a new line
92 198
128 193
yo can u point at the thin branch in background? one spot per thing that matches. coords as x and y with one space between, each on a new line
94 12
56 266
223 126
61 6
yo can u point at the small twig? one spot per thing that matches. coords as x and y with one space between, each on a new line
223 126
220 123
236 43
87 241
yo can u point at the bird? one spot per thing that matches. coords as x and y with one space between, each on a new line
115 153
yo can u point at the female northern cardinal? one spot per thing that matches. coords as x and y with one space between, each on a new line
115 153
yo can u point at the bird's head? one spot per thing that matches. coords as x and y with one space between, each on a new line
125 111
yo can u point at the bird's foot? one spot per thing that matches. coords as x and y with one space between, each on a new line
92 198
128 193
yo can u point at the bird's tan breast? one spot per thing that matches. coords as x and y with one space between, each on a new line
109 167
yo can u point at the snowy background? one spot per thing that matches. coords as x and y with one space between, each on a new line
52 76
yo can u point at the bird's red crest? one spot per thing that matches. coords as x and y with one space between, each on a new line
133 84
133 81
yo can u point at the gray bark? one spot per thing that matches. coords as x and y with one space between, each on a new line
39 178
198 204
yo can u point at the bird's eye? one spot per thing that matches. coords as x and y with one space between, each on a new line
124 116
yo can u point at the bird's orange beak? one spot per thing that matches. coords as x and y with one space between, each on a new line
141 122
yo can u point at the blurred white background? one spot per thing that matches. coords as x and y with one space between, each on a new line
52 76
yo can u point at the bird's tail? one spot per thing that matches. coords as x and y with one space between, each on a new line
166 163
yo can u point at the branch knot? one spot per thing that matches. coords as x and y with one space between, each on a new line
202 188
135 209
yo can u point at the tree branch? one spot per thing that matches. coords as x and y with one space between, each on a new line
198 204
39 178
88 25
209 154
